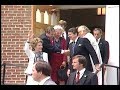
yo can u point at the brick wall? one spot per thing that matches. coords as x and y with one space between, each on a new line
16 22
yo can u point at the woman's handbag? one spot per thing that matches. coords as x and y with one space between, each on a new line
62 73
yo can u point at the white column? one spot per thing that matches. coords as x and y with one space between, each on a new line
112 36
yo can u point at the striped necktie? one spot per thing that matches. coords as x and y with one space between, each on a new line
73 46
77 76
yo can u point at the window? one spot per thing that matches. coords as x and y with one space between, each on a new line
46 18
38 16
101 11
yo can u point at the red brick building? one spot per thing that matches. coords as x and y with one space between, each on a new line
16 22
15 25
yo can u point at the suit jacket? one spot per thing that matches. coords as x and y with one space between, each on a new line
49 82
47 47
83 47
104 50
88 78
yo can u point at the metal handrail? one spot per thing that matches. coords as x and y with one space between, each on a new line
4 66
102 66
112 66
15 65
4 69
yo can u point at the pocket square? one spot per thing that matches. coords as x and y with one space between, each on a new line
85 76
79 45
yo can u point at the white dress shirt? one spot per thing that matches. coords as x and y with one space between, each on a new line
74 41
98 40
81 72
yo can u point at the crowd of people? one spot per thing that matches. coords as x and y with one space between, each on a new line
66 57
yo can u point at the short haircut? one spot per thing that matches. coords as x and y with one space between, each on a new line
44 67
98 29
81 59
73 30
49 29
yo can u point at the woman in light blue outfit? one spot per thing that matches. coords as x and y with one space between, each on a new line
34 54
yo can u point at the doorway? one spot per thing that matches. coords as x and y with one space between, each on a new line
88 17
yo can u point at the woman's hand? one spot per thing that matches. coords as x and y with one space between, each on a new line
64 63
30 35
66 52
68 72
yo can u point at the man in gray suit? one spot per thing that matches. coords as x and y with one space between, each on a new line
81 76
41 73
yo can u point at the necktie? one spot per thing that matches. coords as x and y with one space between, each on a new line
73 46
77 76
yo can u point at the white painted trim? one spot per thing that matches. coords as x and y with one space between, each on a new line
78 6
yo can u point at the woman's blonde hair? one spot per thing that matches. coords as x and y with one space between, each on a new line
34 42
84 27
62 22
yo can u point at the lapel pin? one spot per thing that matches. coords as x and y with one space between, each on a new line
79 44
85 76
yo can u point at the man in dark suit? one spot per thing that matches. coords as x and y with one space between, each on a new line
83 47
47 42
46 37
81 76
103 45
104 49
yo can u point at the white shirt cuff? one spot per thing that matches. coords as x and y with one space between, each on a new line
62 51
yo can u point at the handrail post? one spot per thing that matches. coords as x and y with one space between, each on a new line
103 74
118 72
118 78
4 67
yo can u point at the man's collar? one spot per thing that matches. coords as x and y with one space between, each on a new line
43 81
82 70
76 40
98 40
